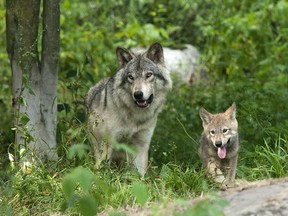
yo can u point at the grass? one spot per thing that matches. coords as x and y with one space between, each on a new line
73 186
78 188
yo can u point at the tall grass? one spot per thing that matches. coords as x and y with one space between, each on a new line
242 65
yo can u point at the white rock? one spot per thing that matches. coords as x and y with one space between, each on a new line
183 63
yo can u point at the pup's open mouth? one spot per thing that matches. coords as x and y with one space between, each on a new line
144 103
222 150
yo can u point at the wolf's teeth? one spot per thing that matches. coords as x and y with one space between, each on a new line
142 104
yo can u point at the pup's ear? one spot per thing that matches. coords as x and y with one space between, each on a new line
231 111
124 56
205 116
155 53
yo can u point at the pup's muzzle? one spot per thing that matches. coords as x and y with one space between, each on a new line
221 148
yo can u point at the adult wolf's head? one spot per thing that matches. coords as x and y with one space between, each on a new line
220 128
143 74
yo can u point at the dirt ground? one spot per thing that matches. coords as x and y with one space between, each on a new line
259 198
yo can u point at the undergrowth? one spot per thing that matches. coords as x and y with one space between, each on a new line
243 45
74 186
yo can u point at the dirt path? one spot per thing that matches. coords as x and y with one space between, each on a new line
269 197
260 198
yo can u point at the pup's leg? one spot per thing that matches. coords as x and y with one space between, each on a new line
231 172
213 169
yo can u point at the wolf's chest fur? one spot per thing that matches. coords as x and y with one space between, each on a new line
124 128
123 125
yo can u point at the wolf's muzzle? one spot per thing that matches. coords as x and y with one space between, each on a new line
140 102
219 143
138 95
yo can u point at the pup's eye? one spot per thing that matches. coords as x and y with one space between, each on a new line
130 77
212 132
225 130
149 74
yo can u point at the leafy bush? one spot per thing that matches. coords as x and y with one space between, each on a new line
244 53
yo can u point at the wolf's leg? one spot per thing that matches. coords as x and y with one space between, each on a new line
203 157
231 171
104 153
141 160
141 141
102 149
214 170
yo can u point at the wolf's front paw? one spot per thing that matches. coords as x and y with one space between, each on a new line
227 184
223 187
219 179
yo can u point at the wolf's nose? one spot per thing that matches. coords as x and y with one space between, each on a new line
218 143
138 95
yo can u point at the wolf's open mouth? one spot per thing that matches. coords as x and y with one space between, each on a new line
222 150
144 103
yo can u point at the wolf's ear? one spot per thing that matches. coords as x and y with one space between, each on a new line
124 56
155 53
231 111
205 116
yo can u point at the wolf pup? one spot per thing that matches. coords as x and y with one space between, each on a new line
124 107
219 145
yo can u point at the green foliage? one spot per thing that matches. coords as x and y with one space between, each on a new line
183 181
243 48
83 179
248 38
140 192
30 187
210 206
275 155
6 123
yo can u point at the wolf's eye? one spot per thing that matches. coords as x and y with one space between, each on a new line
212 132
130 77
225 130
149 75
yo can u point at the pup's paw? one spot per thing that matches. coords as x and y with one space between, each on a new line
227 184
219 179
223 187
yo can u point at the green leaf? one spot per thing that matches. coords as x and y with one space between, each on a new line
140 192
24 119
68 185
85 178
88 206
78 150
124 147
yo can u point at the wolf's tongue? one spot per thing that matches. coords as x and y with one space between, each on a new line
222 152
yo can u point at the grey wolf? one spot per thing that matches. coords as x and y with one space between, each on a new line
124 107
219 145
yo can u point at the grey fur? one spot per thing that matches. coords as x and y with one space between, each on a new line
220 129
118 114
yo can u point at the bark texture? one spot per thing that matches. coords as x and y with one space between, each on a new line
34 82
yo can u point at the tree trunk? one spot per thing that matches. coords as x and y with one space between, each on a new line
34 83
